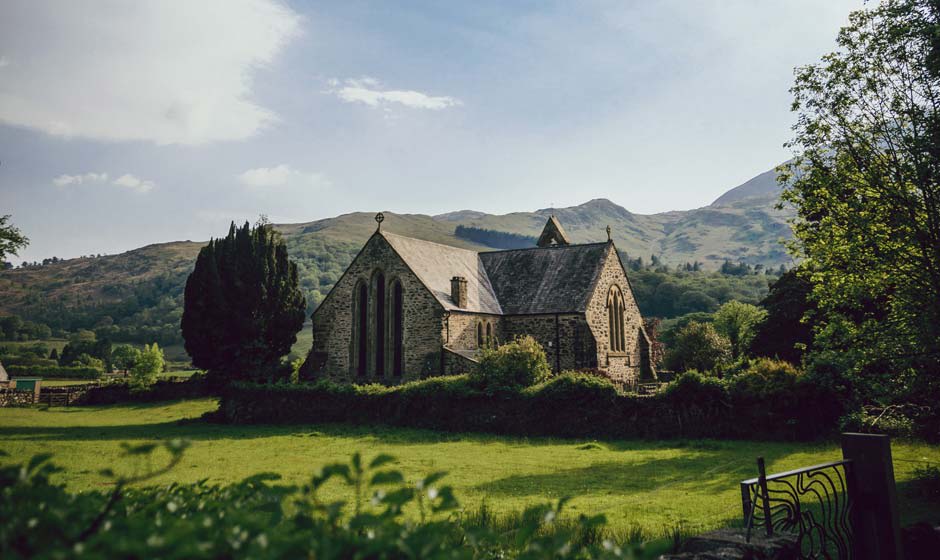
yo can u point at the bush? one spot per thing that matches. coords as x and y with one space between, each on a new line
148 365
571 405
765 376
54 372
697 346
257 519
520 363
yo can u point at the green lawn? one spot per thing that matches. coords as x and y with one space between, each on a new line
653 484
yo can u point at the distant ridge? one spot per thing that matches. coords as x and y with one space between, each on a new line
742 225
763 186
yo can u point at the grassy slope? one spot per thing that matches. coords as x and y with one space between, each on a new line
653 484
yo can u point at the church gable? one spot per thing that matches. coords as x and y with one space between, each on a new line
378 323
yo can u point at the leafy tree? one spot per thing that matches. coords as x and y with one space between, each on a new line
786 332
88 360
697 346
866 185
242 306
147 367
738 323
54 355
124 356
11 238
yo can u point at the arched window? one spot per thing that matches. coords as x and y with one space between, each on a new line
379 333
615 308
489 334
480 334
361 327
398 329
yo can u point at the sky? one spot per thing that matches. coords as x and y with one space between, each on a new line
129 123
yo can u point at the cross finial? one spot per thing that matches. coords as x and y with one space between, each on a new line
608 232
379 218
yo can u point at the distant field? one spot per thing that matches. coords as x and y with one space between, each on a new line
653 484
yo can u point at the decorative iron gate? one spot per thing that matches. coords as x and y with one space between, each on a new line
813 503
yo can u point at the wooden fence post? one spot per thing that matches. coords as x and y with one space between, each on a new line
876 529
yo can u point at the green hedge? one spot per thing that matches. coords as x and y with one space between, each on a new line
27 360
52 372
569 405
164 390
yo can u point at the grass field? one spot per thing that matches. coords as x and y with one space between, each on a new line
652 484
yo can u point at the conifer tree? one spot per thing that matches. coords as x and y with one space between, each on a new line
242 306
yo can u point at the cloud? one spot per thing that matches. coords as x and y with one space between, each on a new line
64 180
4 61
365 90
134 183
280 176
127 181
164 71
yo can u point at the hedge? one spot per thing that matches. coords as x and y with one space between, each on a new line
164 390
569 405
52 372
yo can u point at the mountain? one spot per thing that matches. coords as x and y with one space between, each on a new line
764 186
144 286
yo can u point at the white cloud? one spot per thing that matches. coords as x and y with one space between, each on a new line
134 183
279 176
166 71
366 90
64 180
127 181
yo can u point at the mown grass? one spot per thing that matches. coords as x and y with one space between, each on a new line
653 485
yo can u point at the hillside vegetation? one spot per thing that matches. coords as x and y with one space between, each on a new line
137 296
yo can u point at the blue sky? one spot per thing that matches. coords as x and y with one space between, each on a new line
128 123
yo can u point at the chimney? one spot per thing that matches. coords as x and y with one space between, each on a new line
458 291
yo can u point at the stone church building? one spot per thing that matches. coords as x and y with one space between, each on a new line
407 309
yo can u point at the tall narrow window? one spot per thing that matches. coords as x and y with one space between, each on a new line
480 335
398 330
361 320
615 308
379 324
489 334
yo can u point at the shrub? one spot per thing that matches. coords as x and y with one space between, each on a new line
697 346
53 372
250 519
147 367
765 376
519 363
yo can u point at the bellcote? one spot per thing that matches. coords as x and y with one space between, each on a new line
553 234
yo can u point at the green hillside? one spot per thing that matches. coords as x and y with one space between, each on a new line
137 295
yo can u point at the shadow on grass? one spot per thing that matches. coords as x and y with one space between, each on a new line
699 472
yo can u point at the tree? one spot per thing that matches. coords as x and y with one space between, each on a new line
11 238
786 333
124 356
697 346
866 186
147 367
738 323
242 307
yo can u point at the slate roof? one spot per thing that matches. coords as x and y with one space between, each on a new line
435 264
553 279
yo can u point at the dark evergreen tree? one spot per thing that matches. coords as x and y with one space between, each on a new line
242 306
784 334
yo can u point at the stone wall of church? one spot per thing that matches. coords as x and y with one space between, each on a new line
334 353
621 367
564 337
460 329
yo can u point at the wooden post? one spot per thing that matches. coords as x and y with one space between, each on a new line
876 531
765 496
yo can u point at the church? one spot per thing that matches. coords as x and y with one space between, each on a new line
406 309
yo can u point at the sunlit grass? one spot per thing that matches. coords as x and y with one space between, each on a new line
649 484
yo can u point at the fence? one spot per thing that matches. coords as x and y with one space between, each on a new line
843 509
